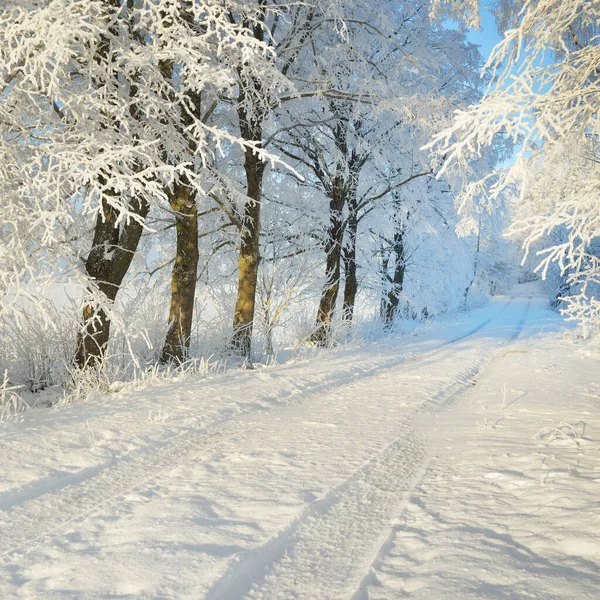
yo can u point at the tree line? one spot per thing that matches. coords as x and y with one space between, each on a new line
127 122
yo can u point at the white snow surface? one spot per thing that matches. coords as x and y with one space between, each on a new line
459 462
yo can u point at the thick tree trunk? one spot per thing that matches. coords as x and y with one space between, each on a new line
393 296
333 250
107 264
110 256
183 276
251 113
249 257
351 282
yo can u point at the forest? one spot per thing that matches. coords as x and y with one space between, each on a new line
299 299
194 181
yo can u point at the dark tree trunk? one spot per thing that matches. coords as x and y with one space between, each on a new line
249 257
342 191
393 296
183 276
350 266
107 264
385 279
112 251
333 251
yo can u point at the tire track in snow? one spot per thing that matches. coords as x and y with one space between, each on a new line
387 543
330 522
216 419
54 506
327 541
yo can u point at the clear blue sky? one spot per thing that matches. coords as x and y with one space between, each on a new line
486 37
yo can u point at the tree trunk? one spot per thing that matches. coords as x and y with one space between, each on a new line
333 250
393 297
251 114
351 282
475 265
107 264
385 279
111 254
249 257
343 190
183 276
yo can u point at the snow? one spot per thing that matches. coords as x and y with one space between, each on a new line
460 461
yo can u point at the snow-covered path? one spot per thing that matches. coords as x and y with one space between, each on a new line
384 472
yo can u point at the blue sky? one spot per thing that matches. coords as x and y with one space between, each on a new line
486 37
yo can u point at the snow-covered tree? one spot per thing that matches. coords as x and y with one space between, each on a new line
244 158
101 120
543 95
359 150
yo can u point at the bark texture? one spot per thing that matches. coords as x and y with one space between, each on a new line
107 264
113 246
333 252
397 280
252 111
183 276
182 200
248 257
349 257
342 191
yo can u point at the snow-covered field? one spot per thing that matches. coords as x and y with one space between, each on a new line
461 462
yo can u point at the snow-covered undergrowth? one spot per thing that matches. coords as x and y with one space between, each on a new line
36 354
316 368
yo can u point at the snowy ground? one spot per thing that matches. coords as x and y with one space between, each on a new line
459 463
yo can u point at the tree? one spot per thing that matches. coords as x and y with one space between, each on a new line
66 101
142 147
336 173
397 251
193 106
543 95
96 129
288 30
399 78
